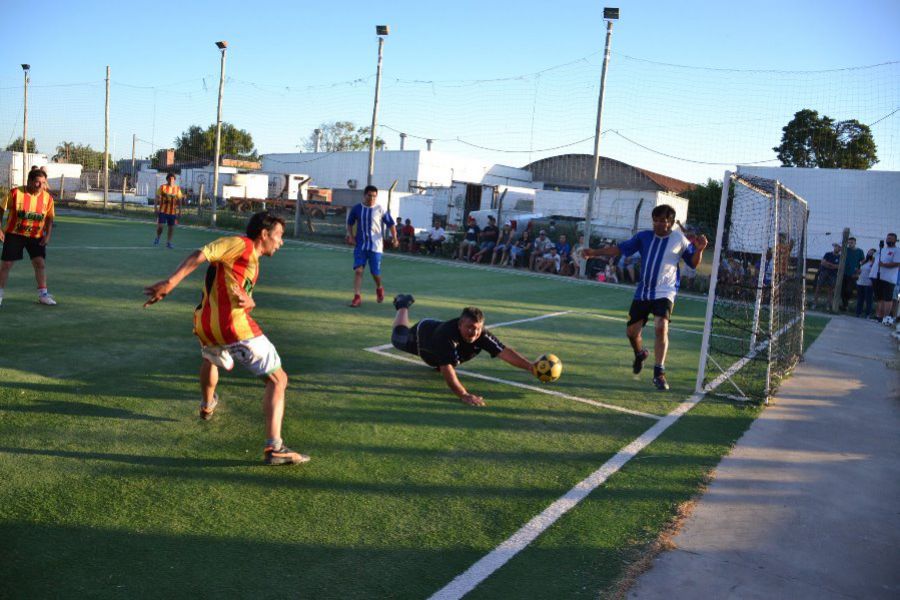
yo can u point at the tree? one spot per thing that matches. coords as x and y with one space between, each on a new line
16 146
342 136
809 140
196 143
703 206
82 154
64 152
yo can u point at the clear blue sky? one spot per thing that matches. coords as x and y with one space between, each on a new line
295 45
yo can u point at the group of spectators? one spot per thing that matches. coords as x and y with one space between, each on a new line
872 275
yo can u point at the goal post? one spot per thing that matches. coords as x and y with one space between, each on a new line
753 333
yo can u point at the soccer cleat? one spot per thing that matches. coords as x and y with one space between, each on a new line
660 382
169 245
357 300
207 410
283 456
47 299
639 359
156 242
379 295
403 301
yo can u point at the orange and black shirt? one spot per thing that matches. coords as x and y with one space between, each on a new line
218 320
168 197
28 213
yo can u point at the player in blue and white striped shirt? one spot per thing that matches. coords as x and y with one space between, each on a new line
661 250
369 218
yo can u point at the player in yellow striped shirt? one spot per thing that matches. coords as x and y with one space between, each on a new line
227 332
168 208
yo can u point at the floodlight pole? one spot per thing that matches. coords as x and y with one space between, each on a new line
25 69
375 110
595 182
214 197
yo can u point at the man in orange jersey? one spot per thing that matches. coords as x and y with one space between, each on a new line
168 208
28 227
227 332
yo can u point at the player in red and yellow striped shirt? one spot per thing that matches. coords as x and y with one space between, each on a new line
225 328
168 208
28 227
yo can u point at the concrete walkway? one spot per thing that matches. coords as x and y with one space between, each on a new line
807 505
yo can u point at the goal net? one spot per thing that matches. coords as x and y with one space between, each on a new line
754 320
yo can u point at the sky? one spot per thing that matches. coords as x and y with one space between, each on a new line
463 70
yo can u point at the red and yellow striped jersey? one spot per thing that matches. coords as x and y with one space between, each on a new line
217 319
28 213
168 197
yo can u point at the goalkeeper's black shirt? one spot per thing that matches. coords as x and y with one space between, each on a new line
439 343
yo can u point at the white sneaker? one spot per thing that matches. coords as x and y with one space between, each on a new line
47 299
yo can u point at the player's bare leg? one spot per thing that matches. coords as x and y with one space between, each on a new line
660 348
5 267
209 379
357 286
379 290
169 235
637 344
276 453
40 272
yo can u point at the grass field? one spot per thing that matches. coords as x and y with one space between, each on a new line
111 487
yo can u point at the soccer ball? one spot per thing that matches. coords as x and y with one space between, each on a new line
547 368
889 321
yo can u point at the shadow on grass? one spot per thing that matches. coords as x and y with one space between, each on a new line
133 459
79 409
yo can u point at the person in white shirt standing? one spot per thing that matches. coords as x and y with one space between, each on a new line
884 276
864 286
661 250
369 218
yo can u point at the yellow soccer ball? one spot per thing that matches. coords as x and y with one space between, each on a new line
547 368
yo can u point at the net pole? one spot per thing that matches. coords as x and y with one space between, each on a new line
801 256
771 344
106 147
760 280
713 279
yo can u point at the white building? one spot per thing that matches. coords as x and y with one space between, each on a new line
868 202
11 171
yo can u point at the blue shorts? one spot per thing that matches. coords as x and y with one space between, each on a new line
361 257
164 219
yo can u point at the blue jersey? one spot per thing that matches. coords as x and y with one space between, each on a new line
369 222
660 256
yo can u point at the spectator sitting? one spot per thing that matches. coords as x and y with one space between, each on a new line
539 248
521 248
407 237
827 274
470 239
550 262
489 236
577 264
436 238
501 250
625 267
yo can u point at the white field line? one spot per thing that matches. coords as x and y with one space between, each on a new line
380 350
679 329
485 567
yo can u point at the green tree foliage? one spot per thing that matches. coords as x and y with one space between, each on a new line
16 146
342 136
82 154
703 206
197 143
809 140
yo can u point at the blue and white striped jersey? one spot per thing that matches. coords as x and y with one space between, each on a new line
660 276
368 225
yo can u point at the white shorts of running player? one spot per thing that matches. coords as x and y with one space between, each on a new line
257 354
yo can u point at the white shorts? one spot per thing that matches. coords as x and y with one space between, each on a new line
257 354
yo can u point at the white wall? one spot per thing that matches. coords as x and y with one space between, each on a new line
868 202
333 169
11 167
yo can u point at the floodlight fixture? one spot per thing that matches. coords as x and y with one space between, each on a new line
222 45
26 68
382 30
610 13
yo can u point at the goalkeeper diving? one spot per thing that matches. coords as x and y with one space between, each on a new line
661 251
445 345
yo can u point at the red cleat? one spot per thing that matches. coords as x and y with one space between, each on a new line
379 295
357 300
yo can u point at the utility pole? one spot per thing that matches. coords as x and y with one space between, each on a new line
26 69
106 148
214 197
380 31
133 146
610 14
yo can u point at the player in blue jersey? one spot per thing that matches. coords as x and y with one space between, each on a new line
661 250
369 218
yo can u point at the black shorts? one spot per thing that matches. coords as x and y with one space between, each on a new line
403 340
642 309
14 244
884 290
